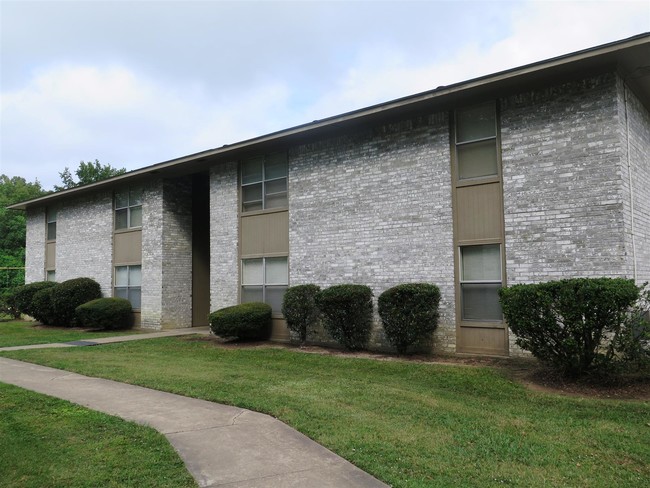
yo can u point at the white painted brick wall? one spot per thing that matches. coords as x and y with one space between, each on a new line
35 245
224 236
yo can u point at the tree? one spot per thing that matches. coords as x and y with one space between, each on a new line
12 227
87 173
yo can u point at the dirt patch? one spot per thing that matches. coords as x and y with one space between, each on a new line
529 372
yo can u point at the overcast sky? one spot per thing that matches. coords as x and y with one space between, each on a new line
133 83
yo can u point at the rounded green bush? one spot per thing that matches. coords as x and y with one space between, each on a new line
300 310
105 313
42 307
409 313
68 295
347 314
567 323
248 321
25 294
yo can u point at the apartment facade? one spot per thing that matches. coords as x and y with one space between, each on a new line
534 174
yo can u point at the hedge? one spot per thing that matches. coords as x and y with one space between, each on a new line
409 313
347 314
570 323
105 313
248 321
300 310
68 295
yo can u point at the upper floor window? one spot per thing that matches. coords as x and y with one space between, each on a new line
51 224
476 142
128 208
264 182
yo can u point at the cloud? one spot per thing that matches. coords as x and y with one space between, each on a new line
123 118
538 31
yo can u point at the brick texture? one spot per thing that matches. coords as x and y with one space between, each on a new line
35 246
224 236
374 208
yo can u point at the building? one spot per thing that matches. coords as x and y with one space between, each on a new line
532 174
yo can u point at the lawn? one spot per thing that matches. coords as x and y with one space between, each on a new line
20 333
46 442
409 424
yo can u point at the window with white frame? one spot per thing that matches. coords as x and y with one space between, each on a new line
476 142
264 182
51 224
128 208
128 283
480 280
265 280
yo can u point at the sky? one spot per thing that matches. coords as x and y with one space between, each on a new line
134 83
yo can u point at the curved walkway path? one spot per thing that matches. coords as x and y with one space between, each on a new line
222 446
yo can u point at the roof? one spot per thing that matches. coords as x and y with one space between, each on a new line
629 57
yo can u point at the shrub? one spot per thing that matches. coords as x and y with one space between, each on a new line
42 308
105 313
409 313
68 295
300 309
566 323
8 304
248 321
347 314
25 294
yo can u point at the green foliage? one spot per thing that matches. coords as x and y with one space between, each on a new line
87 173
347 314
248 321
67 296
24 296
12 230
567 323
409 313
300 309
631 345
42 306
105 313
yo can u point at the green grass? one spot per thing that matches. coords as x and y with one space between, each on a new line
409 424
46 442
19 333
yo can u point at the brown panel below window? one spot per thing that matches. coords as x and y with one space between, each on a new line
279 330
478 340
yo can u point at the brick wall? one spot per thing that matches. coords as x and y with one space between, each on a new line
84 239
35 245
177 253
374 208
152 254
563 200
224 236
634 124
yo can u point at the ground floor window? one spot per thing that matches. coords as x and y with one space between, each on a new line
480 280
128 282
265 280
50 275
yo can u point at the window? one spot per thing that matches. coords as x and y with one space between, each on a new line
265 280
51 224
480 280
128 208
128 282
50 275
476 142
264 182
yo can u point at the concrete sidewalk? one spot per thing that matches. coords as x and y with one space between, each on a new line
114 339
220 445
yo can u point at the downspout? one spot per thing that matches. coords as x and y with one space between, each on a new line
629 175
